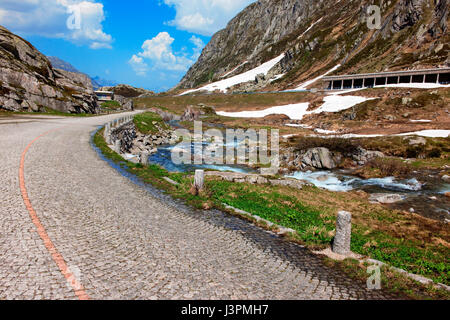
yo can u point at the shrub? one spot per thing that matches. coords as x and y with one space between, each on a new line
345 146
389 167
415 151
434 153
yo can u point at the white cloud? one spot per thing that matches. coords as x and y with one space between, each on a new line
138 65
205 16
159 52
79 21
199 45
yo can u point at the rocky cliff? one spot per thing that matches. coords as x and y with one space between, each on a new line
316 35
28 81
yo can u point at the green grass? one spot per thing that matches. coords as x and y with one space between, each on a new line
404 254
278 208
111 105
147 123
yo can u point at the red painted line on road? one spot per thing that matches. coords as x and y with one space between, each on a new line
56 256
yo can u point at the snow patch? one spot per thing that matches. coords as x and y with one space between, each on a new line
310 27
293 111
295 125
278 76
228 73
322 131
428 133
299 110
421 120
304 85
250 75
422 133
339 103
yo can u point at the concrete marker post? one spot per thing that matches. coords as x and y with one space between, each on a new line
199 179
341 243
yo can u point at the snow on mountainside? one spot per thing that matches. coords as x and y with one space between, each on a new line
314 37
250 75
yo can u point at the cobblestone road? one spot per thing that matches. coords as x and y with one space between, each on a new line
123 242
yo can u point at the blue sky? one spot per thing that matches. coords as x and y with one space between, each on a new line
145 43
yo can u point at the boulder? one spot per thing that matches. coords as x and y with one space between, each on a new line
293 183
386 198
190 114
361 156
319 158
415 140
256 179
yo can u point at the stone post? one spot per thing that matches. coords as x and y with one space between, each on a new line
144 158
341 243
199 179
117 146
107 130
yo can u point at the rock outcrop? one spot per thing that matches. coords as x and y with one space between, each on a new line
136 143
126 103
319 158
190 114
323 159
128 91
28 82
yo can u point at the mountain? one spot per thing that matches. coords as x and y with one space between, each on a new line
28 81
317 36
61 64
97 82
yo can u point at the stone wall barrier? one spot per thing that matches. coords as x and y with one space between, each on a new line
199 179
341 243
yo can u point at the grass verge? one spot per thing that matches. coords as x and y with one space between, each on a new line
149 123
